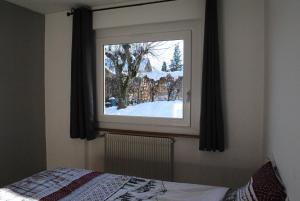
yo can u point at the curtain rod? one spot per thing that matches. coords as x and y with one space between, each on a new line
126 6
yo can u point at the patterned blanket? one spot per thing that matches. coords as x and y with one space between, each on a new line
66 184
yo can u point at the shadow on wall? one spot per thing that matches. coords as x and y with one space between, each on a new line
184 171
215 176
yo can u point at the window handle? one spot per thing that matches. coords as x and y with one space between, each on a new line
188 96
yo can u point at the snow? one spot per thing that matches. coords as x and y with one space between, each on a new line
156 74
143 64
109 70
163 109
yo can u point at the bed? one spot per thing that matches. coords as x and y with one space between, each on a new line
66 184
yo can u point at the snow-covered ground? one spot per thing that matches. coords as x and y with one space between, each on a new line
164 109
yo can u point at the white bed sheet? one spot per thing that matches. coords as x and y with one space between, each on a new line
192 192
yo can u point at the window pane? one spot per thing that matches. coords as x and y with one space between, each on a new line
144 79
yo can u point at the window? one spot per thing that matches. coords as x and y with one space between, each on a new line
145 78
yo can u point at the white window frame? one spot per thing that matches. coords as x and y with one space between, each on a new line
184 35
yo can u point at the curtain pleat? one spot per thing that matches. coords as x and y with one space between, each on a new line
83 117
211 121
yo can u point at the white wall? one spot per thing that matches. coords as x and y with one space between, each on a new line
243 56
156 13
283 90
61 150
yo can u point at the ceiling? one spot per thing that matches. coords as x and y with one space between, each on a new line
52 6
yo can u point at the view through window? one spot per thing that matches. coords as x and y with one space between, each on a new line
144 79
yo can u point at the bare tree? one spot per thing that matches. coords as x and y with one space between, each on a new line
178 88
127 59
153 89
134 89
170 84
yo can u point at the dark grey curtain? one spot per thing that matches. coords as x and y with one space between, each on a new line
211 121
83 82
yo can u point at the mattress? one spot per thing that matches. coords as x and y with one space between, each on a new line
67 184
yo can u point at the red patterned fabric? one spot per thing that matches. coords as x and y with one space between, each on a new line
47 185
263 186
266 185
71 187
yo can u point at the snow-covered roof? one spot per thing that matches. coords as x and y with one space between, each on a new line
156 74
144 64
152 73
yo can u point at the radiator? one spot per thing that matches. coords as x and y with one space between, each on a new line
148 157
